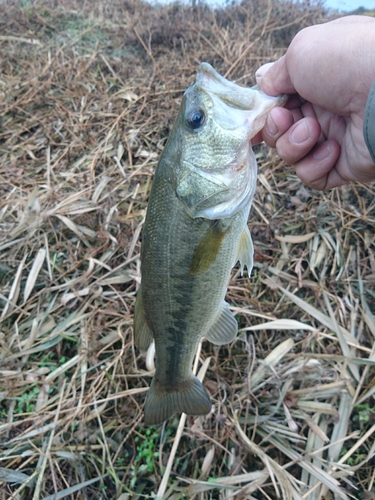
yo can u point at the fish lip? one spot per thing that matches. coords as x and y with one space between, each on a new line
210 81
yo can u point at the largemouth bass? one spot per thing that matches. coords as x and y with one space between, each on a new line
195 231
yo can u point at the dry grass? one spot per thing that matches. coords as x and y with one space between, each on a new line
88 94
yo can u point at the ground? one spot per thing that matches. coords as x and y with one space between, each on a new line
88 96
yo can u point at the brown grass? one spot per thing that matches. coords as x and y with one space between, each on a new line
88 95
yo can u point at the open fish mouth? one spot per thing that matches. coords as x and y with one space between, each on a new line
253 101
232 94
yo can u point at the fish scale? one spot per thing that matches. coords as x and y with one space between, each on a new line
195 231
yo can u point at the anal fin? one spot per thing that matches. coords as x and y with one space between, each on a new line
190 398
142 332
245 251
224 329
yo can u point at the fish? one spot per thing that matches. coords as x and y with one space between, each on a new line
195 231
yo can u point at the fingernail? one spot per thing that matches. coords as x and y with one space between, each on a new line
262 70
271 127
322 152
300 134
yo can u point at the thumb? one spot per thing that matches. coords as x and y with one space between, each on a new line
274 78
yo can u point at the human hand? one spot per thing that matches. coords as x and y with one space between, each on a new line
328 71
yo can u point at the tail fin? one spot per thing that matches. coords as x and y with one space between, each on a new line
191 398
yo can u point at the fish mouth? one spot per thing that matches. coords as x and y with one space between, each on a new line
251 100
212 82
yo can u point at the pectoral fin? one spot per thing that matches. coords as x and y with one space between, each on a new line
224 329
245 251
142 332
207 250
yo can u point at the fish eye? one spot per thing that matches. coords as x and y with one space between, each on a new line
196 119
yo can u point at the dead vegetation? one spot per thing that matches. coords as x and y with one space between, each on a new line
88 95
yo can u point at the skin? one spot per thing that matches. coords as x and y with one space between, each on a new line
328 71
